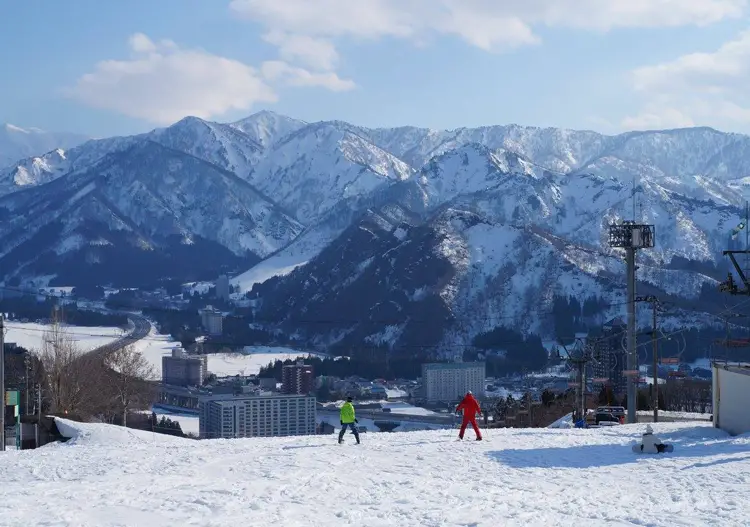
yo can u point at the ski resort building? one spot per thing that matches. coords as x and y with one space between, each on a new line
229 415
448 382
731 387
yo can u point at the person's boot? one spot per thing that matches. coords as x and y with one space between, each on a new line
479 438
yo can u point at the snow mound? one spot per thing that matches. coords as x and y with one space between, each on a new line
106 436
109 476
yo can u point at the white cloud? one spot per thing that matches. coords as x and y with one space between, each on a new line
317 53
488 24
279 71
306 31
706 88
162 83
657 118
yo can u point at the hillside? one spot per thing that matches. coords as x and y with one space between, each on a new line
109 476
118 218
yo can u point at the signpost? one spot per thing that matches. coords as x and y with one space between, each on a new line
11 399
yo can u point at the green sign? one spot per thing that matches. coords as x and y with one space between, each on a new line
11 398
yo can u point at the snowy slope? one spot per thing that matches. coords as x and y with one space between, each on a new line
219 144
316 167
38 170
109 476
34 171
267 128
17 143
116 203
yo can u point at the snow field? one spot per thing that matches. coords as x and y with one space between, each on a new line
155 346
250 363
110 476
31 335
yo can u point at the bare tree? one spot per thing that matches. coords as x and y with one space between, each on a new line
69 374
131 379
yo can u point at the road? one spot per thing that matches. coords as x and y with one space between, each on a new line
141 328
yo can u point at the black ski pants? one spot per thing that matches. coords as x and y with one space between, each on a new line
344 426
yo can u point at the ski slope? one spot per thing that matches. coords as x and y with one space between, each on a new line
109 476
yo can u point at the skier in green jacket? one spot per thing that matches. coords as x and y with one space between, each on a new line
348 419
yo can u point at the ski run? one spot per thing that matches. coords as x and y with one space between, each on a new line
112 476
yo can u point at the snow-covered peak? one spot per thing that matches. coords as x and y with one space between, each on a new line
316 167
33 171
267 127
469 169
17 143
220 144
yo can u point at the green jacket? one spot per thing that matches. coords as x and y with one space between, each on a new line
347 413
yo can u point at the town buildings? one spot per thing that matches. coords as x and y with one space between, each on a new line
212 320
265 415
181 369
298 379
610 358
451 381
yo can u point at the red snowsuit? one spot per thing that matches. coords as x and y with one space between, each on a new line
470 407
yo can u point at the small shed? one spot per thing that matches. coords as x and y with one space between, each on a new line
731 390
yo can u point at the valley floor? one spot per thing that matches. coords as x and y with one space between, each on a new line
110 476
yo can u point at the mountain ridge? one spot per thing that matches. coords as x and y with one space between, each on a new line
517 214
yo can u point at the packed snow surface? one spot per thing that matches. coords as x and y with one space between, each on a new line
107 476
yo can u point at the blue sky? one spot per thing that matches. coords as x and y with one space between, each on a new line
116 67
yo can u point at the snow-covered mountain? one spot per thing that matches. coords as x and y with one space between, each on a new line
318 166
17 143
143 203
220 144
267 128
499 237
510 215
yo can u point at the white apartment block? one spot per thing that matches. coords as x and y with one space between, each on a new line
449 382
228 416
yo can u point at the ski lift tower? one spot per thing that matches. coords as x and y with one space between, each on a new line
631 236
578 357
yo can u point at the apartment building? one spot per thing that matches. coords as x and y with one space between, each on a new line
212 320
181 369
266 415
451 381
297 379
611 358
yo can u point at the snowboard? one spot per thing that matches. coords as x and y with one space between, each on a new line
637 449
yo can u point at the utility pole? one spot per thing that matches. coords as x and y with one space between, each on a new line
38 413
631 236
2 383
655 390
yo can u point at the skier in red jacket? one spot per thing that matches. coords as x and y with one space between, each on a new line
470 407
